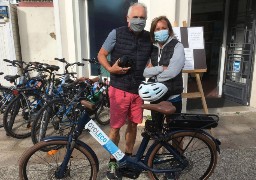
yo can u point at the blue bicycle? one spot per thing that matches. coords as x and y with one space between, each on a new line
181 150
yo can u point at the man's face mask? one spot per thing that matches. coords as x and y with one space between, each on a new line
162 35
137 24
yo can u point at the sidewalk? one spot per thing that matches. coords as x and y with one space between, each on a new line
236 131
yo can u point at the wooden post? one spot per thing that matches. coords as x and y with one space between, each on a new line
175 24
184 23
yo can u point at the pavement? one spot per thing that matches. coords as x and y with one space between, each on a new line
236 131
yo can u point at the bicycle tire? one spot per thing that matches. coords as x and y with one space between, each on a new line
16 127
5 98
49 122
35 163
102 114
192 146
17 118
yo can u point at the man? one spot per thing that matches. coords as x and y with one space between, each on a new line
125 104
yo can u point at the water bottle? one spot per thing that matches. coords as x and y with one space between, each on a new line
95 87
94 98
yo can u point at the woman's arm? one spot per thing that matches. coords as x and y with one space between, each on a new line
175 66
151 70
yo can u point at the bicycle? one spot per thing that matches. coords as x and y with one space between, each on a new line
6 95
102 105
184 153
57 116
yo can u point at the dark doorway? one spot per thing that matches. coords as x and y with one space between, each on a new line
208 14
103 17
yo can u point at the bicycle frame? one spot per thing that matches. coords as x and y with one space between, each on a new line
103 139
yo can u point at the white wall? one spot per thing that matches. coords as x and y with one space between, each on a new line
72 34
8 48
37 30
174 10
253 88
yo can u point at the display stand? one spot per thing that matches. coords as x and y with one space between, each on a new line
200 92
198 69
196 73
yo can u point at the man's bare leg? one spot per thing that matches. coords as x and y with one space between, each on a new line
114 135
130 136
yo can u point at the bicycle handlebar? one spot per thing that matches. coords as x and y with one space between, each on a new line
93 60
61 60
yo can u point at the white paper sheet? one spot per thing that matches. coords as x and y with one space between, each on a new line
195 38
189 62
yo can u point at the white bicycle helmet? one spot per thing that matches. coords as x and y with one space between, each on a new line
152 91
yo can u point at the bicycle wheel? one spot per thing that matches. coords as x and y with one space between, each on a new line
15 120
102 114
198 150
20 113
5 98
50 122
37 164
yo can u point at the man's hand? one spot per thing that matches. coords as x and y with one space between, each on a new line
115 69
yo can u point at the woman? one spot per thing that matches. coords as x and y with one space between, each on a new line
167 61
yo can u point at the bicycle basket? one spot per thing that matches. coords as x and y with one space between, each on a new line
191 121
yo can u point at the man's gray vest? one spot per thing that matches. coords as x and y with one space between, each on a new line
138 48
175 85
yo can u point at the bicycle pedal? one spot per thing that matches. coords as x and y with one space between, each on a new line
132 173
111 176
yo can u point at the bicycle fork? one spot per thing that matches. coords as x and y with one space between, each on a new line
62 170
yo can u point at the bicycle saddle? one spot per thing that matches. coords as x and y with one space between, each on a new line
88 104
164 107
53 68
11 78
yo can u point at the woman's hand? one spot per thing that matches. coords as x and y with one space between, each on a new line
165 67
149 65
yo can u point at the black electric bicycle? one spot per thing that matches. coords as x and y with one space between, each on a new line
181 150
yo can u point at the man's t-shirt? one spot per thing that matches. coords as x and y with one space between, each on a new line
110 42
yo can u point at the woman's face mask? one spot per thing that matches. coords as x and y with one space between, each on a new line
162 35
137 24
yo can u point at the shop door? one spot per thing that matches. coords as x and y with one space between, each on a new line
103 17
240 51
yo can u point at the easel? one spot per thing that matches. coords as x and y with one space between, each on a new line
200 93
196 72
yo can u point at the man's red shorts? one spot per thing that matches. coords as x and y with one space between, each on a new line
124 106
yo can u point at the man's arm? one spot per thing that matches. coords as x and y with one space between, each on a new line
102 58
106 48
115 69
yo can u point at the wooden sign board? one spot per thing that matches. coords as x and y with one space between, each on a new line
192 39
